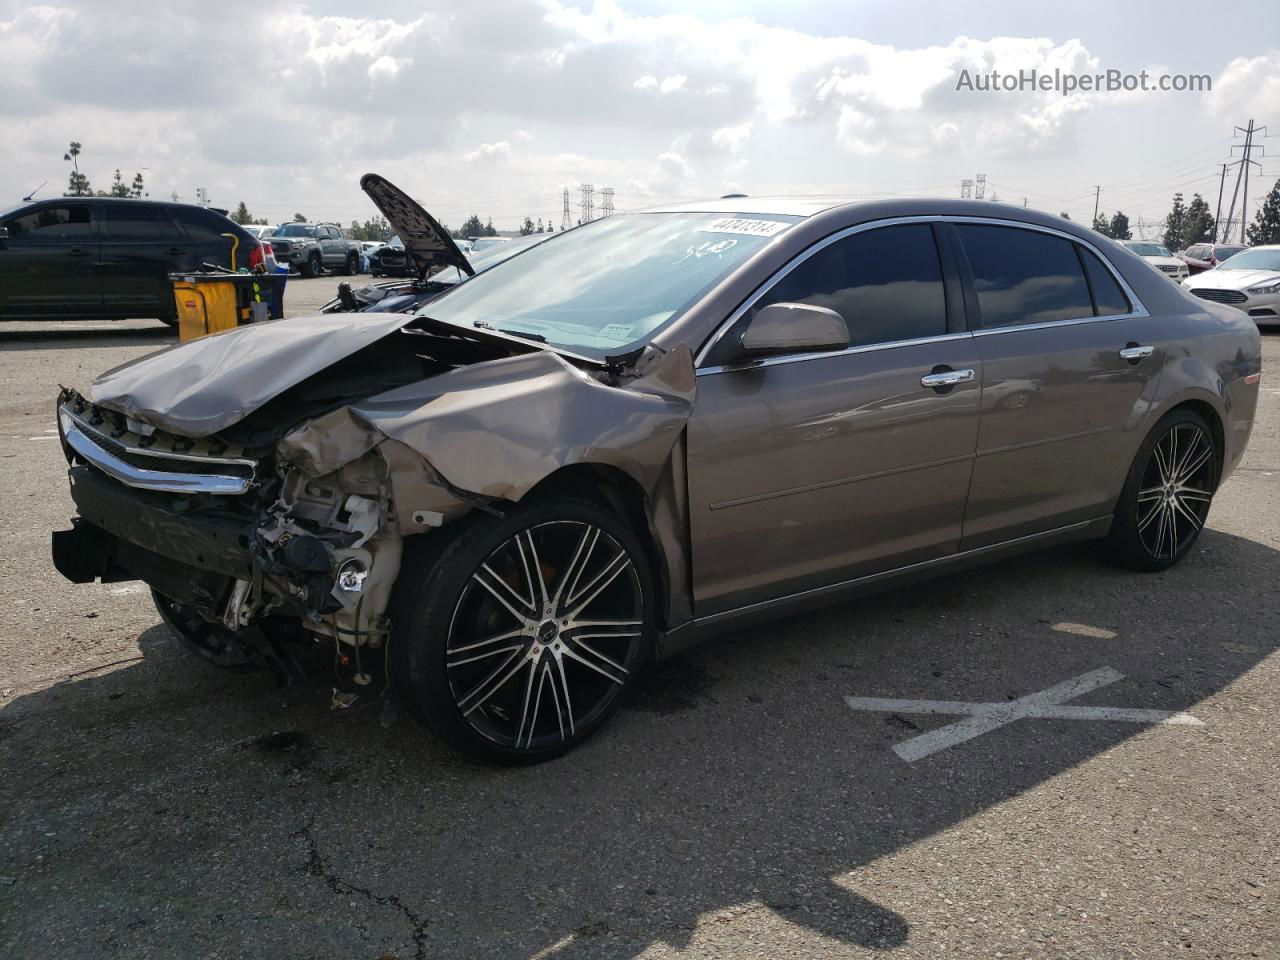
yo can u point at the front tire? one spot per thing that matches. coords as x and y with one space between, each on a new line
1167 495
515 639
311 268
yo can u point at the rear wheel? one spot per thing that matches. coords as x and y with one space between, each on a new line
1167 495
518 638
352 266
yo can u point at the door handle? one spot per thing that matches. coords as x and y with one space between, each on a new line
1133 352
946 378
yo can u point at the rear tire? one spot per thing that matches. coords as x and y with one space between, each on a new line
515 639
352 266
1166 496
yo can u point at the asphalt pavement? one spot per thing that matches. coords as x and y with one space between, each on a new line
766 795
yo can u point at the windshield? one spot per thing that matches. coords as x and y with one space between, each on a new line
295 230
1221 253
1253 260
1149 249
611 283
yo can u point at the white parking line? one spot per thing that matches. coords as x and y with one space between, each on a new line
982 718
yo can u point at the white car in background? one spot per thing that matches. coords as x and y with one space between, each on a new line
1158 255
1249 281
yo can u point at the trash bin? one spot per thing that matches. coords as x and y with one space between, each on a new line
210 302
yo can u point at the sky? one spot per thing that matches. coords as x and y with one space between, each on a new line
494 107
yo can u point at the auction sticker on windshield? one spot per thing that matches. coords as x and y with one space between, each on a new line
752 228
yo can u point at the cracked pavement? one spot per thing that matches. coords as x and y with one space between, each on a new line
153 808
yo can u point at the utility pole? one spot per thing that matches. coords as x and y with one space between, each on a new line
588 203
565 222
1242 175
1097 195
1217 213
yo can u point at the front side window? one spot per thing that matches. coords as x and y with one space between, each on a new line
886 283
610 284
1024 276
50 224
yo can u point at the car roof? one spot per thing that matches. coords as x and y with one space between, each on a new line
794 206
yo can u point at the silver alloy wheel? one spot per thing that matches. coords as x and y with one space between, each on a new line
545 635
1173 500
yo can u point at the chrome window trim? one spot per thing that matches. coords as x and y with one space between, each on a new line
142 478
1139 309
801 357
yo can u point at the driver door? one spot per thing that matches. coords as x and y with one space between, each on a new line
810 469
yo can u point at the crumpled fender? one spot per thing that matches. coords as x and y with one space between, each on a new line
496 429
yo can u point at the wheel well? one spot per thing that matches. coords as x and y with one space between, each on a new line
1211 417
618 492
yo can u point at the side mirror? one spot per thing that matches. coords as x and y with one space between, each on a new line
783 328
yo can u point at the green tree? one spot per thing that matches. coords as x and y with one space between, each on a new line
1119 227
118 187
488 228
526 228
1064 215
541 228
136 191
1198 226
472 227
77 183
1266 224
242 214
1174 223
1102 224
299 218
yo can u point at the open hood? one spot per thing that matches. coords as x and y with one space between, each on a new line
426 243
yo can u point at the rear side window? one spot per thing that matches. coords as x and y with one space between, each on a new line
139 221
205 225
1024 276
1108 299
886 283
50 224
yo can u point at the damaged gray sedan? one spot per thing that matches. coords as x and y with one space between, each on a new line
648 429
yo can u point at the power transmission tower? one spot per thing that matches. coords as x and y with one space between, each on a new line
607 194
1242 175
588 203
980 187
565 222
966 189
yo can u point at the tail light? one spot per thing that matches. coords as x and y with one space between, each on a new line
256 256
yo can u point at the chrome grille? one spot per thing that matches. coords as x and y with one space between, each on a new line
1220 296
165 470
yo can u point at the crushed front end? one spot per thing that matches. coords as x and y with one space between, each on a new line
221 526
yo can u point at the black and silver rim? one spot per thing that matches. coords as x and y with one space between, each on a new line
1176 490
546 635
209 641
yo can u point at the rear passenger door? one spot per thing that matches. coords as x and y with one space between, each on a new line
810 469
210 239
1069 366
141 246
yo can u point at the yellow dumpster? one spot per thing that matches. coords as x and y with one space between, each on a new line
209 302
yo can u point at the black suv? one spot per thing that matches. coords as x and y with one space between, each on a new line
108 259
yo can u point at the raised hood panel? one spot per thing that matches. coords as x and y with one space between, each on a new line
426 243
197 388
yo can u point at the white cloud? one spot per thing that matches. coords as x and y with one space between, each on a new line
1249 87
499 152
